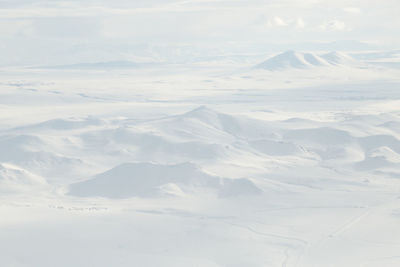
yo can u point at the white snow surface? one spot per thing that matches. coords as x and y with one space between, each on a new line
202 165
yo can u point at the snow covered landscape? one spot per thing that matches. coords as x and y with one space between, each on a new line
278 158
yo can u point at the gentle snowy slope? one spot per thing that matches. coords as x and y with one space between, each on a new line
151 180
339 58
14 180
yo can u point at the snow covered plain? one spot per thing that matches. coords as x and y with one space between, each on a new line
213 164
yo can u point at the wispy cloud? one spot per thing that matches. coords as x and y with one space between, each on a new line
277 22
334 25
299 23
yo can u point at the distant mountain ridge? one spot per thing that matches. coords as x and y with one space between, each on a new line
103 65
299 60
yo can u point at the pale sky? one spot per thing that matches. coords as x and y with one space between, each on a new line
42 32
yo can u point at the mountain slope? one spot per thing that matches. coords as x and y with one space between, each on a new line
338 58
298 60
14 179
154 180
292 59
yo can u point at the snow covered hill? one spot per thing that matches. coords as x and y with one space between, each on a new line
14 179
299 60
152 180
339 58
